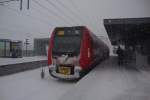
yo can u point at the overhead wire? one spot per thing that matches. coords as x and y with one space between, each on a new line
71 11
42 13
41 20
51 11
55 6
91 20
67 8
54 13
32 17
60 10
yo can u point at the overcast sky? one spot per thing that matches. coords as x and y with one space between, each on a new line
44 15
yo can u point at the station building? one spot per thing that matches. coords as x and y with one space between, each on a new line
9 48
17 48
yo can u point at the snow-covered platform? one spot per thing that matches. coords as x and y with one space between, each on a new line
28 85
14 65
8 61
107 81
111 82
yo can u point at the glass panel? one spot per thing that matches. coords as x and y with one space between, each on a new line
2 48
7 48
67 41
66 45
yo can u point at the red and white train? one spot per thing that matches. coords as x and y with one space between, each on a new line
73 51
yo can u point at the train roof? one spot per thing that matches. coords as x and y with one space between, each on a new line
128 30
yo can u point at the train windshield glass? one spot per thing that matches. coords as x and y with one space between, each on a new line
67 42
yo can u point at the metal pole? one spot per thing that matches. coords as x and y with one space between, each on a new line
20 4
26 43
26 47
28 4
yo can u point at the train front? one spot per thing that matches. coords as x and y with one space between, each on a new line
64 53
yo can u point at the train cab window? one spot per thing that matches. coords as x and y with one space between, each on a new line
67 42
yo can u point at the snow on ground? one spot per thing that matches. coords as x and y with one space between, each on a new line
28 85
7 61
107 83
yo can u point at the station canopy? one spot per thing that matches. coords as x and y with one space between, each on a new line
130 31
